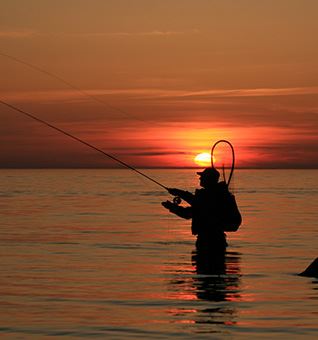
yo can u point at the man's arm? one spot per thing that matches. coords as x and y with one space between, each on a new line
185 195
184 212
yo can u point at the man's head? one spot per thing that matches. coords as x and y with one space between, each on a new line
208 177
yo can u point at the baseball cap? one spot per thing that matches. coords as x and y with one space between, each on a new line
211 172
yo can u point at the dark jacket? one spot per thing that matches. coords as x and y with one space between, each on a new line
206 210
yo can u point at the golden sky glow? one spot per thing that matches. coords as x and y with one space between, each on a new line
171 78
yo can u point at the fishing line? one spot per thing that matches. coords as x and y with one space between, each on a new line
70 85
81 141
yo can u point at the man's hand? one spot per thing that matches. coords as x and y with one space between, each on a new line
167 204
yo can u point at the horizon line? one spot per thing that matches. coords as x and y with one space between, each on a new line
154 168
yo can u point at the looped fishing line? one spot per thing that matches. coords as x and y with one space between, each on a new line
233 158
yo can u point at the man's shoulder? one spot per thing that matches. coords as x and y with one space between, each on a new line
202 194
222 184
223 187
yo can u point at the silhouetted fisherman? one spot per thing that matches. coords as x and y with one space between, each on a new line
212 209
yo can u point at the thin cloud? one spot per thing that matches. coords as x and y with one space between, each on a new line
160 93
154 153
29 33
302 153
221 93
155 33
18 34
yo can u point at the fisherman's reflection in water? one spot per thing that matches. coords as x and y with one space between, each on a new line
217 275
210 293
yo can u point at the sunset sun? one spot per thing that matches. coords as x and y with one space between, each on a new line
203 159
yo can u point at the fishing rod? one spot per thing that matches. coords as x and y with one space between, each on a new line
81 141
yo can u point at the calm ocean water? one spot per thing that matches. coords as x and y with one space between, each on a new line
91 253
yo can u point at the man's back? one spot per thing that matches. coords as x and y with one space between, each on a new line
206 218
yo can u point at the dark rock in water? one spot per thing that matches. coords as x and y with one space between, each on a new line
312 270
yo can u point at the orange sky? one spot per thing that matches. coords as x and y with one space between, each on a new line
174 76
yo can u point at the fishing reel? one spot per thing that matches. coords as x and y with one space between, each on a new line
177 200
